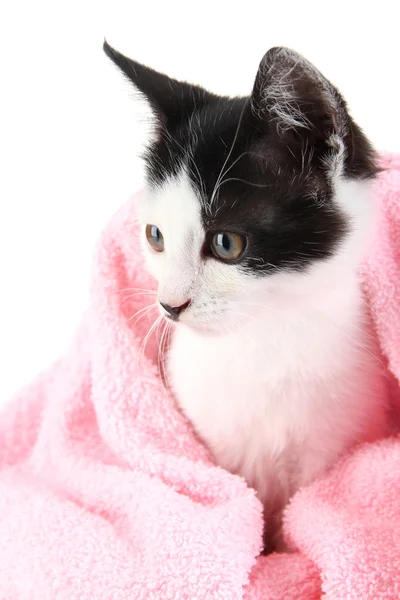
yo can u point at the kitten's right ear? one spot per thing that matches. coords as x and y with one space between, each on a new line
171 100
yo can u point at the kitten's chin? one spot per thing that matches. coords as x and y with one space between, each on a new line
210 328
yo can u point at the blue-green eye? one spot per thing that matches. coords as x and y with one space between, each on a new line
155 238
228 246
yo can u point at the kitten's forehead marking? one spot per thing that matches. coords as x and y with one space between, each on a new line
175 207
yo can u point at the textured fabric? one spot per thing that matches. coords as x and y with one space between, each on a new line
105 492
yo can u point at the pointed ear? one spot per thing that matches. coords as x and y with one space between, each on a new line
171 100
292 94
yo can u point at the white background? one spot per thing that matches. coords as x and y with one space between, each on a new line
70 129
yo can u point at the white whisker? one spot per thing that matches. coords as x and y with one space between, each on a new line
136 290
260 185
222 174
133 295
143 311
145 340
357 343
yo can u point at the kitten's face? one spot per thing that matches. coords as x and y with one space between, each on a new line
183 263
253 202
228 215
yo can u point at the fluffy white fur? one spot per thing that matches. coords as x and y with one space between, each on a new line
278 375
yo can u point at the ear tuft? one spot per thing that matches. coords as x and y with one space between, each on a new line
291 93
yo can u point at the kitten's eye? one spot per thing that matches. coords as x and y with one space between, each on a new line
228 246
155 238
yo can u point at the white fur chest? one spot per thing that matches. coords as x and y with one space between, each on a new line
278 402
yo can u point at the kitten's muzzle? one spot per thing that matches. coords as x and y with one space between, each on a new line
173 312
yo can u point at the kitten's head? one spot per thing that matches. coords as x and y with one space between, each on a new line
255 203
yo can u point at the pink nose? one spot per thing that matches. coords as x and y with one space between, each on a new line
174 311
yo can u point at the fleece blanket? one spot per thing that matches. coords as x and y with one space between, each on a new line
106 493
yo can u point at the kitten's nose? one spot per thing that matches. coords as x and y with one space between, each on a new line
175 311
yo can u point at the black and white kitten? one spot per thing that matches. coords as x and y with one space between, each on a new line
255 217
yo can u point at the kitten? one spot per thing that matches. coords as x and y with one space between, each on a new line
255 218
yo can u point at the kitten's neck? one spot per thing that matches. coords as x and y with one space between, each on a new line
311 337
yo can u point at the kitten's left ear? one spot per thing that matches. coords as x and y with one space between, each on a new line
171 100
291 94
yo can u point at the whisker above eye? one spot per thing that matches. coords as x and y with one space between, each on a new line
259 185
230 167
222 173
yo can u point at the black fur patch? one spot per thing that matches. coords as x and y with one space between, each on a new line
253 173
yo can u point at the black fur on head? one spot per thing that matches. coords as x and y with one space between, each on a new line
265 165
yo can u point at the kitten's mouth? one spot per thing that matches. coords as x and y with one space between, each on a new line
180 321
169 317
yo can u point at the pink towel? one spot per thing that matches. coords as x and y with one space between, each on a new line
105 492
